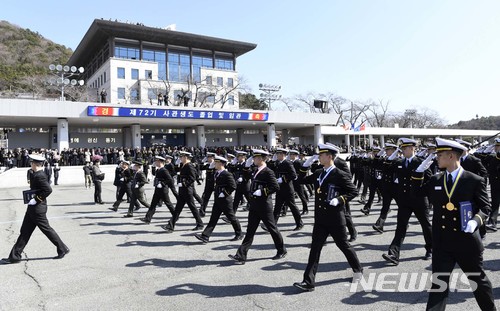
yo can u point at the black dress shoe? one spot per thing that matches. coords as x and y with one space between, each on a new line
145 220
61 255
304 213
128 215
200 237
167 228
202 213
237 237
391 258
354 236
238 259
365 211
299 227
304 286
280 255
137 208
428 255
9 261
114 209
491 228
378 228
197 228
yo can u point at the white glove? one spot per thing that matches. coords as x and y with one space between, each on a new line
257 193
394 155
32 202
310 161
240 179
287 157
381 153
204 160
334 202
136 186
212 165
275 157
159 186
235 160
249 162
122 179
396 181
221 195
489 149
280 180
179 185
425 164
178 161
471 226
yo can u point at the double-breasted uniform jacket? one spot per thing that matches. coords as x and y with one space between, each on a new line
187 177
163 177
388 175
493 168
239 170
39 182
265 180
403 182
171 169
337 184
287 173
223 183
446 224
209 176
474 165
139 180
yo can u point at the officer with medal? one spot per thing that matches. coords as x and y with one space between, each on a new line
137 186
408 203
209 169
224 185
36 215
263 185
161 183
461 205
185 182
493 167
334 188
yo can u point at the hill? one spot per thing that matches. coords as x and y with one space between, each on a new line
483 123
25 56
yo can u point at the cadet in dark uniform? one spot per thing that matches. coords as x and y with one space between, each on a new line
454 242
408 202
242 182
224 185
334 188
209 169
297 186
471 163
97 178
374 165
285 175
36 215
171 170
263 185
493 166
137 186
125 181
185 182
161 183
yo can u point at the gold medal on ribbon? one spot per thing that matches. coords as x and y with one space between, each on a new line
318 190
450 206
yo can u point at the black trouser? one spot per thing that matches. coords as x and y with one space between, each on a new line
348 220
174 191
299 189
185 197
197 197
319 235
444 262
241 190
495 202
160 194
222 205
118 190
56 178
124 189
310 189
255 215
285 198
207 193
36 216
405 209
387 196
137 196
374 188
97 191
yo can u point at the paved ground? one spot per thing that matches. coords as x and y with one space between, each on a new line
122 264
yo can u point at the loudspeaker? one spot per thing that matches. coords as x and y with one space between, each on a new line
320 104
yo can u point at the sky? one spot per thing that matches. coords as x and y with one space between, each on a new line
439 55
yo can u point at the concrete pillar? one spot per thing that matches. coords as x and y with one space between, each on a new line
62 134
189 137
284 137
382 141
135 130
239 136
127 137
271 135
348 142
200 136
318 137
370 139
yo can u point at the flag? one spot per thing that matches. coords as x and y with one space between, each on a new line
346 127
362 127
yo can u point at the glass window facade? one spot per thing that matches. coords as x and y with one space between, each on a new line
152 94
178 67
127 52
157 56
148 74
121 93
230 100
201 61
224 63
230 82
220 81
121 73
134 94
135 74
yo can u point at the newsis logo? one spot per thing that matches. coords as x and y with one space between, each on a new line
414 282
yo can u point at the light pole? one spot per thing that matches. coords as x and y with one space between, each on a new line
269 93
410 114
63 73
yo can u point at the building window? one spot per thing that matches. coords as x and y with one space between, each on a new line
134 94
230 100
135 74
220 81
121 93
209 80
159 57
152 94
224 63
148 74
121 73
230 82
126 52
105 77
179 67
201 61
210 99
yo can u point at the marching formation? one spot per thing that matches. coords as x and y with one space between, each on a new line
442 184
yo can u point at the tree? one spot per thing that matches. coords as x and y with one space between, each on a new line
377 114
250 101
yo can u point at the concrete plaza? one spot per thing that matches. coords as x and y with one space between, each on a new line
120 263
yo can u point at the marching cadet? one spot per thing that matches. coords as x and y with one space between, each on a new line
97 178
137 186
263 185
374 164
334 188
297 186
309 193
224 185
162 181
455 194
469 162
386 185
125 180
493 164
242 182
171 170
185 182
408 203
36 215
208 167
285 197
